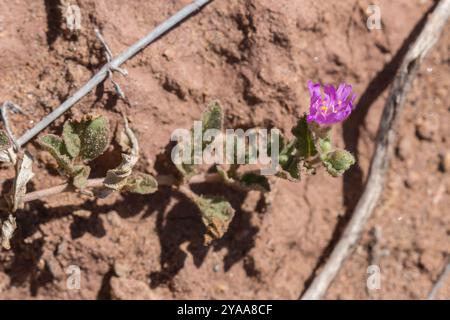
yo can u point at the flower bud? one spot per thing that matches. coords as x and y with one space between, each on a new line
338 161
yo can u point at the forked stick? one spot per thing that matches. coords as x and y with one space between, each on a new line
439 283
113 65
385 142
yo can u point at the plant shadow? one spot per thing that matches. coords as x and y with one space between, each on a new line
181 231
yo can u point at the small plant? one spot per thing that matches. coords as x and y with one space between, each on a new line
85 140
309 147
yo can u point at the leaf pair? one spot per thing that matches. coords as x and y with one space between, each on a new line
311 145
295 155
216 212
336 161
212 118
81 142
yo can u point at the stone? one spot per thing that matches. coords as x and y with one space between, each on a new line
431 261
404 148
444 164
121 269
412 180
131 289
427 128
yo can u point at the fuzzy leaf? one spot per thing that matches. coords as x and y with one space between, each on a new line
95 137
24 174
4 141
217 214
71 137
291 172
305 142
7 230
141 183
212 117
56 147
81 175
323 145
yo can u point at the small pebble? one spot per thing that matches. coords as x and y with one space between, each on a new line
121 269
85 214
444 164
427 128
412 180
61 249
404 148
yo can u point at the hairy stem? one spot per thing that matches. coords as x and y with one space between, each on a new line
163 180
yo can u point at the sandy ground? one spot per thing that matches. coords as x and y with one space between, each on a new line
255 56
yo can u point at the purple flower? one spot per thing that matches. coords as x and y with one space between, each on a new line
332 108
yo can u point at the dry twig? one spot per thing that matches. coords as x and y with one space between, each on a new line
439 283
385 141
8 105
163 180
112 65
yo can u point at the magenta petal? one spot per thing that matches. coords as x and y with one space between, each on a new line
336 107
314 89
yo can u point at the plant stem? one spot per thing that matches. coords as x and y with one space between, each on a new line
163 180
114 64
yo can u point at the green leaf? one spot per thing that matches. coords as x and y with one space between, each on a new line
71 137
81 175
56 147
4 141
291 170
141 183
95 137
305 141
286 154
212 117
217 214
324 145
338 161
